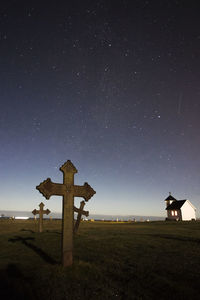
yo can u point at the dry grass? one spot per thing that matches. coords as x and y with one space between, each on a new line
155 260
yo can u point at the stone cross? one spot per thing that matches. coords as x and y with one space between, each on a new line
80 212
41 212
68 190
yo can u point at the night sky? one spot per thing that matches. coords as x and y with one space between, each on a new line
111 85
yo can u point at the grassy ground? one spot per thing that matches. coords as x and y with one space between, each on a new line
155 260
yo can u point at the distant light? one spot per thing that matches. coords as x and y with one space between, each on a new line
22 218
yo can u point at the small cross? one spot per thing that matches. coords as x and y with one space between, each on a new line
41 212
80 212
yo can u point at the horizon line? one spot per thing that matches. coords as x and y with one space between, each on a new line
90 214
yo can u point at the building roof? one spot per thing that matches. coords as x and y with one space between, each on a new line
170 197
176 204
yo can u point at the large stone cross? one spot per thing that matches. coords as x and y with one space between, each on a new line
41 212
80 212
68 190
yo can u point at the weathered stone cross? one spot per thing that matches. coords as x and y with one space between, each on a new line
68 190
41 212
80 212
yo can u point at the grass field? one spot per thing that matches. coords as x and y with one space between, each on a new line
156 260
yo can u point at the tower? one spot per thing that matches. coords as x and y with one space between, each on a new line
169 200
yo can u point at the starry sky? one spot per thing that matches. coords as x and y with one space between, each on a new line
111 85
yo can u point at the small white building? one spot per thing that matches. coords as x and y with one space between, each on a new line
179 210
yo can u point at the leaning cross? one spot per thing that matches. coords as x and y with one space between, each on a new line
80 212
68 190
41 212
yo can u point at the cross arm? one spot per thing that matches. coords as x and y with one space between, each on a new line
83 212
48 188
85 191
